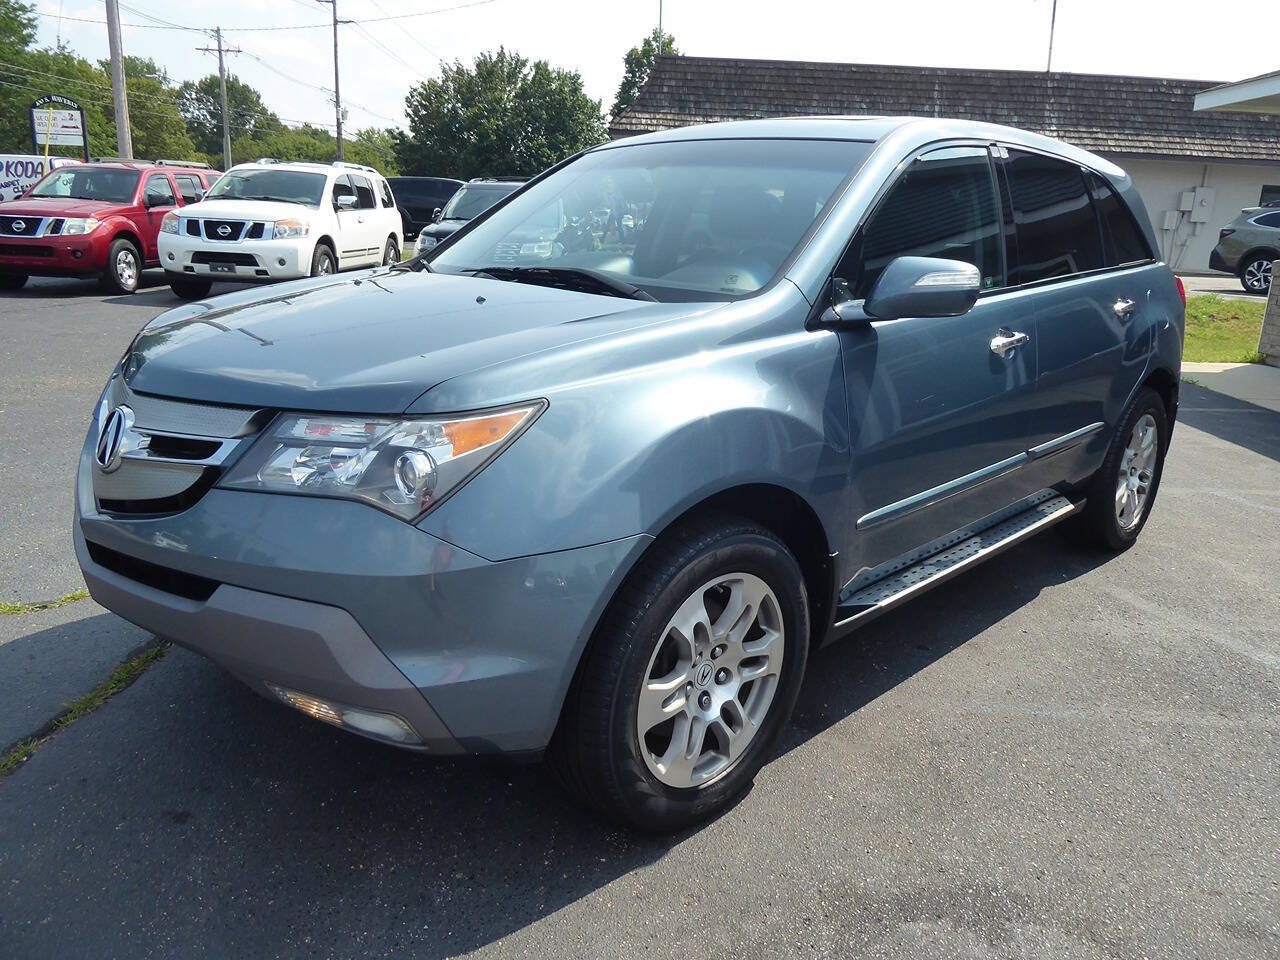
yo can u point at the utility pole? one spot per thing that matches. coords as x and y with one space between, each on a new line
1053 22
337 93
222 90
124 135
659 27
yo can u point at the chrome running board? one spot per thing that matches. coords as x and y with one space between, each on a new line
883 595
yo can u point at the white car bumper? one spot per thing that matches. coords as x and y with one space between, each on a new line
260 260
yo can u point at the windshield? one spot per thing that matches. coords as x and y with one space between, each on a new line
699 219
290 186
89 183
469 202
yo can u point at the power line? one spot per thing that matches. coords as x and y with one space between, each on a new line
169 25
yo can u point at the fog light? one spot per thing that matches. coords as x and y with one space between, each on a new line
171 256
280 261
77 254
373 723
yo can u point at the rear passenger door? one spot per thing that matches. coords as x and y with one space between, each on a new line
1080 253
158 199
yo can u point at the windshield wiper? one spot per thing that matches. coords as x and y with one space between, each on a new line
579 279
275 199
418 262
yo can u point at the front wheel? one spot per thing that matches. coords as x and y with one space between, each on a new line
1255 274
185 289
322 262
1123 490
124 267
690 679
12 281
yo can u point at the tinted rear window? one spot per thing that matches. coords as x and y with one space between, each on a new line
1268 220
1058 233
1124 242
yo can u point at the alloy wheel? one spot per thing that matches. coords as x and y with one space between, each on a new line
1257 275
711 679
1137 468
126 268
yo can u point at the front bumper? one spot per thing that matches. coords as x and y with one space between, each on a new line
253 260
57 256
338 600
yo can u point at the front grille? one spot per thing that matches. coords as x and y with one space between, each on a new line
193 227
22 250
255 231
152 574
21 226
55 227
234 230
217 256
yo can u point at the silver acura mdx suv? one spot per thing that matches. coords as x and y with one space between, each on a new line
593 476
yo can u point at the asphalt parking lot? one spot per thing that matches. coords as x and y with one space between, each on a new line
1060 754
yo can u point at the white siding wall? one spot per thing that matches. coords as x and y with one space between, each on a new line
1161 183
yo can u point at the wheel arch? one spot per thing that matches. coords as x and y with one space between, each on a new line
1270 253
127 233
1164 382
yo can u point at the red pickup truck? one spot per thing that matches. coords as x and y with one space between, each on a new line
95 220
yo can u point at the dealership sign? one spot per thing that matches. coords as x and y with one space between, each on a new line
58 121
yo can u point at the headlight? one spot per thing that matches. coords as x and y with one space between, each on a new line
540 249
169 223
73 226
290 228
425 243
405 467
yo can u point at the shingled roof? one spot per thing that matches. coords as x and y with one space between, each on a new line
1133 116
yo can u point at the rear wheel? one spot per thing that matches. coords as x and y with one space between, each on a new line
690 679
322 262
124 267
190 289
391 255
12 281
1123 490
1255 273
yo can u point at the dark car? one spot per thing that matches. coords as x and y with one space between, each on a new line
419 198
473 199
97 219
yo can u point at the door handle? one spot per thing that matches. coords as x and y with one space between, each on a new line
359 219
1006 340
1124 308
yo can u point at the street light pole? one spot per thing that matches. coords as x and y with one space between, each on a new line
337 93
1053 22
119 96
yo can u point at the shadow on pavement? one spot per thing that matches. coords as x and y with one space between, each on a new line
1237 421
191 805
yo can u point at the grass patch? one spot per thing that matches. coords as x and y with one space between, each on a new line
16 609
1223 331
77 709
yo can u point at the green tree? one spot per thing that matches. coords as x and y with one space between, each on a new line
200 104
17 29
31 73
312 143
636 66
156 125
502 116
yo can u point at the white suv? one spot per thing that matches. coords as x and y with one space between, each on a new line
277 220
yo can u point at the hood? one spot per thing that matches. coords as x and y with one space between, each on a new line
248 210
445 228
61 207
368 342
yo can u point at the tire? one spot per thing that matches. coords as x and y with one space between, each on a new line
13 281
1255 272
1103 523
124 267
194 289
391 253
600 751
322 262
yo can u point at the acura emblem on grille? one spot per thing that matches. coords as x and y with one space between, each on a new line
224 231
19 226
111 439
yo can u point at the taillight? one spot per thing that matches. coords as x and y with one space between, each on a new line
1224 233
1182 291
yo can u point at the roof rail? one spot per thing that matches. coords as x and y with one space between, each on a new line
292 163
354 166
500 179
147 163
183 163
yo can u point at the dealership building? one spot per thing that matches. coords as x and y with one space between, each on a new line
1194 170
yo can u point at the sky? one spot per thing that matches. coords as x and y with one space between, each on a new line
380 60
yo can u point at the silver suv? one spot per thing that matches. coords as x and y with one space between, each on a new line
1247 247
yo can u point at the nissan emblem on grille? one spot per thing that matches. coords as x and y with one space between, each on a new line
111 440
19 226
224 231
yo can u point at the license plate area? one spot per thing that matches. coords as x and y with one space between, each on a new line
222 267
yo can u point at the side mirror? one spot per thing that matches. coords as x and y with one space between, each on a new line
924 287
346 201
199 196
436 214
154 200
